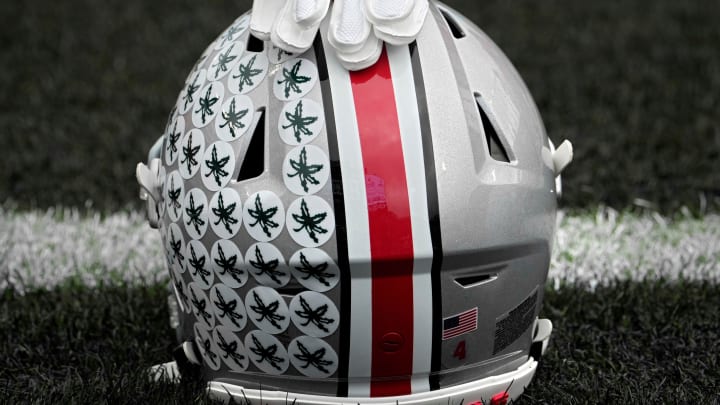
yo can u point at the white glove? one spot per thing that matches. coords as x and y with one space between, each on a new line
356 30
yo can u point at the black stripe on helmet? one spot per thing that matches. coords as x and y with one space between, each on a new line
433 215
343 261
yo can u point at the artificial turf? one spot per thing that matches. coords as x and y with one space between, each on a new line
653 342
87 85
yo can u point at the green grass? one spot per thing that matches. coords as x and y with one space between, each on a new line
632 342
634 84
78 345
652 342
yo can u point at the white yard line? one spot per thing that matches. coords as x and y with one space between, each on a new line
597 249
44 249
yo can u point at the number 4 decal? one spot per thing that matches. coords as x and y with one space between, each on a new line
460 350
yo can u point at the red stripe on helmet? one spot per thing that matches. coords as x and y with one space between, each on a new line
391 241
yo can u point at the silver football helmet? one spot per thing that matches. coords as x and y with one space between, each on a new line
380 236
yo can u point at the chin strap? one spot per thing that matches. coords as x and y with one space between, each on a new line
356 31
148 177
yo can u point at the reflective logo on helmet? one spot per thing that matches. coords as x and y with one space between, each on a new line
228 307
267 310
195 213
218 165
193 145
175 247
295 79
189 93
197 263
267 265
226 213
266 352
248 74
206 344
207 104
200 305
231 350
300 122
172 139
264 216
224 61
174 192
313 357
311 221
235 118
314 314
306 170
314 269
227 262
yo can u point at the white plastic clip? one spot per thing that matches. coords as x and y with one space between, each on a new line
148 181
543 330
147 178
562 156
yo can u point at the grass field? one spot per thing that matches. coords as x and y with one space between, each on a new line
633 291
630 343
635 85
633 299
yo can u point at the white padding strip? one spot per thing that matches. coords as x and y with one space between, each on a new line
411 136
358 228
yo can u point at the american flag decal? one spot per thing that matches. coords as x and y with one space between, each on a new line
460 324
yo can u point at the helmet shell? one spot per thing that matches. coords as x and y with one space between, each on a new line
373 233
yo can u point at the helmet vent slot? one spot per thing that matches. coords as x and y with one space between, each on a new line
497 149
254 163
474 280
455 28
255 44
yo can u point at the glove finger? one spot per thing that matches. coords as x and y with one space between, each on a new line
297 36
349 30
310 12
404 28
363 57
264 13
388 10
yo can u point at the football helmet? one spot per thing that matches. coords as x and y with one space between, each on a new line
378 236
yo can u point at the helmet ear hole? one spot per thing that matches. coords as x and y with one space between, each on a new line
253 164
